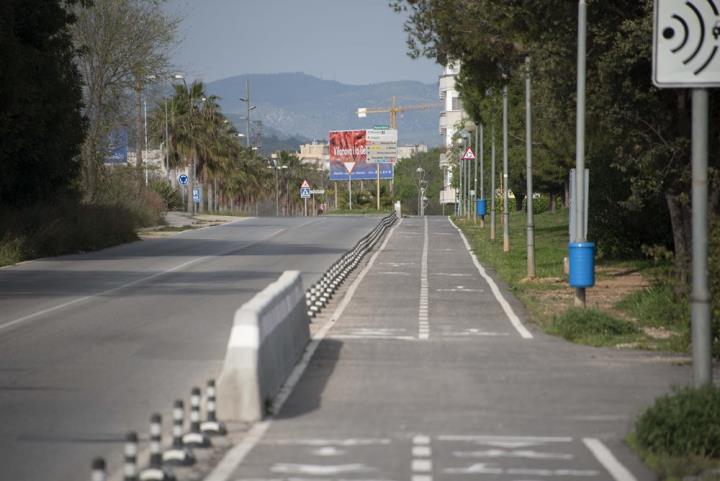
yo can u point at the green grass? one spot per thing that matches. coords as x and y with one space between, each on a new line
593 327
173 228
551 238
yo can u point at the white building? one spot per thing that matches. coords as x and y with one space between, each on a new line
450 121
407 151
317 154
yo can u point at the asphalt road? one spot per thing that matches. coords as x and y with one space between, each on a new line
91 344
425 377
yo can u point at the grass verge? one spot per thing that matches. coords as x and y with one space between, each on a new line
630 306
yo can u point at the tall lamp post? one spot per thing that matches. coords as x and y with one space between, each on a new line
248 109
421 191
276 166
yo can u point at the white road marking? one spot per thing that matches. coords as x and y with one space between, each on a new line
328 451
78 300
423 322
421 439
360 337
350 442
551 472
460 289
514 319
421 465
421 451
474 332
477 468
421 477
320 470
393 273
502 453
506 441
232 460
608 460
451 275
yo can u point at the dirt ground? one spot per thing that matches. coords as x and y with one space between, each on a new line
611 286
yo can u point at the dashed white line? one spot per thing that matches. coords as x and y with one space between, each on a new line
421 463
423 320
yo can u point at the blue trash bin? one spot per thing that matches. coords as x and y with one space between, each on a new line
481 207
582 264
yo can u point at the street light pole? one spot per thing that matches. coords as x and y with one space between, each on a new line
506 190
493 189
247 112
528 174
580 299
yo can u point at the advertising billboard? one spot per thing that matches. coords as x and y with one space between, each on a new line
348 151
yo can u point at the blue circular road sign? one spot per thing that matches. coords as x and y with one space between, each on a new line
183 179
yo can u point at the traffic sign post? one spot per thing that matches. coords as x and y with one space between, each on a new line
305 193
685 55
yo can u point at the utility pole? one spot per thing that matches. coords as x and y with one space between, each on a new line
506 190
493 189
528 174
580 300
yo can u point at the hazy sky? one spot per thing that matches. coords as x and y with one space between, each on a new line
352 41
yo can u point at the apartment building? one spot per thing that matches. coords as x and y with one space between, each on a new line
450 120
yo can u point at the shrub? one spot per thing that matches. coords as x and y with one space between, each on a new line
714 271
119 188
170 195
541 203
64 228
590 326
684 423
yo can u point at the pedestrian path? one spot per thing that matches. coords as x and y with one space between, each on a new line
430 373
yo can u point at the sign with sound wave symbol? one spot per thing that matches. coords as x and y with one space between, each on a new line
686 47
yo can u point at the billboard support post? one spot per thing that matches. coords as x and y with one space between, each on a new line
378 186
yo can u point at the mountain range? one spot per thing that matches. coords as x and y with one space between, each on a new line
300 108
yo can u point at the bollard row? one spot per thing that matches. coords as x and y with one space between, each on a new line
180 451
319 294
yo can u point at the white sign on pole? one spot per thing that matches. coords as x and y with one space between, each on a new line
381 146
686 44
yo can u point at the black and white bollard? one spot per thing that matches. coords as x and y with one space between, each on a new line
155 471
130 470
212 427
178 454
195 437
98 470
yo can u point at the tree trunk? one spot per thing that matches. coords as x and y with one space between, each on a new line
519 198
680 219
210 196
553 202
566 199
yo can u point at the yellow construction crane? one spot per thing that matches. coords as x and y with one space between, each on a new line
395 109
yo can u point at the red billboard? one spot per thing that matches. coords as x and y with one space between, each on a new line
348 146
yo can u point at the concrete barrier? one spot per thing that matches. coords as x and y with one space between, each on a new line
268 338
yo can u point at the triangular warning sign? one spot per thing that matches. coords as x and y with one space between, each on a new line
305 185
469 154
349 166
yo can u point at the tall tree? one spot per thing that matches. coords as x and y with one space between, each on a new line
638 147
122 42
41 125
